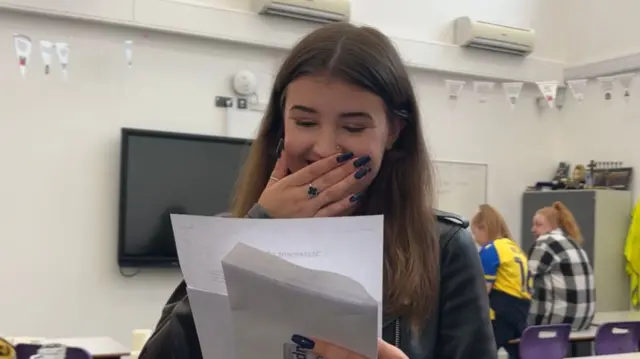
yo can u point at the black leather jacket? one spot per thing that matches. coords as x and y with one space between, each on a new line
460 328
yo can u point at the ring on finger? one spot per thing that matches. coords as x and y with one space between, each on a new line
274 178
312 190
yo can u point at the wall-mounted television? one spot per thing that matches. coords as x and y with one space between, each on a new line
163 173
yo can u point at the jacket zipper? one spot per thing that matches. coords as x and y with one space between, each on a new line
396 334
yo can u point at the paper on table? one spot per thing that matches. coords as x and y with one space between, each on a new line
270 300
51 351
351 246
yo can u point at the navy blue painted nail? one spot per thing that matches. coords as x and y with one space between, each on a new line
354 198
280 147
362 161
303 342
361 173
344 157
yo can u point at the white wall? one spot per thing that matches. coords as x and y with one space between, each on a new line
601 30
601 130
421 47
597 129
431 20
59 145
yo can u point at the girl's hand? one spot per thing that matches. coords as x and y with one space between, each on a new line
328 350
324 188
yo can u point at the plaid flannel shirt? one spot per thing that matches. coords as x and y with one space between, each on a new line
563 284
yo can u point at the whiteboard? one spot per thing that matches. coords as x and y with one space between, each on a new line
461 186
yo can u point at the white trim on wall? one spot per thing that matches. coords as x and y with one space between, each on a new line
198 19
613 66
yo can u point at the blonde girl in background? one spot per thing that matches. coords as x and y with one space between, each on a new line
506 275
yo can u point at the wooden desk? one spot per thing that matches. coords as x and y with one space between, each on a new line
620 316
98 347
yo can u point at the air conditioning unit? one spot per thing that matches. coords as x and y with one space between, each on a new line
494 37
324 11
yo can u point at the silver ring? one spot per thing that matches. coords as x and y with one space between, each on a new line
275 179
312 191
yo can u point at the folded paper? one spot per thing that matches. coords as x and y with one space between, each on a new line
52 351
625 81
128 52
62 49
512 92
483 89
22 44
606 84
454 88
349 246
549 90
46 48
578 88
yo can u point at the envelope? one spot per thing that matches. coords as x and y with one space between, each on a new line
271 299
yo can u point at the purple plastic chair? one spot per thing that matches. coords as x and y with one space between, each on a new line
25 351
617 338
545 341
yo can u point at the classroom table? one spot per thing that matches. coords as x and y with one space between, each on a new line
618 316
615 356
583 335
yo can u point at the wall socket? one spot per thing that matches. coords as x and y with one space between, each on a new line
224 102
242 103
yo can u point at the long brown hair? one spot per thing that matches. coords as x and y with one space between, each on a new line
492 221
403 188
559 216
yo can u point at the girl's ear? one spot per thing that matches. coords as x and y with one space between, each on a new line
396 126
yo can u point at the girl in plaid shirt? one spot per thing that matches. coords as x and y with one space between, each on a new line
563 285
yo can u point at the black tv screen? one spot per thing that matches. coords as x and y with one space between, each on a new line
163 173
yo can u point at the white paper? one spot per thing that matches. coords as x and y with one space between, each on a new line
350 246
606 83
128 52
23 51
578 87
512 92
549 90
625 81
62 49
454 88
46 48
52 351
483 89
270 299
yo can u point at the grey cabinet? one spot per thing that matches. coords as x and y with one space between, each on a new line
604 217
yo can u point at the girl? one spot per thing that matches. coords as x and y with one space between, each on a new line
506 274
563 284
346 117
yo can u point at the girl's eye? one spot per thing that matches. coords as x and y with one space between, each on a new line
353 129
305 123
